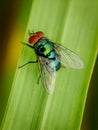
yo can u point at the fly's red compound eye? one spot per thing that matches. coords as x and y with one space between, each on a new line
33 39
40 34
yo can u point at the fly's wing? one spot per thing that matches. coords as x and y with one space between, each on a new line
68 58
47 74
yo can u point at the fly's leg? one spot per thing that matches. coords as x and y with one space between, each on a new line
28 63
38 79
27 45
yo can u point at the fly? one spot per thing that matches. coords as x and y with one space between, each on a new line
50 58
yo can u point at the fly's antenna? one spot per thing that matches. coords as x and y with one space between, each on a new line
30 32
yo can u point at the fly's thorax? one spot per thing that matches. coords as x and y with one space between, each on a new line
43 47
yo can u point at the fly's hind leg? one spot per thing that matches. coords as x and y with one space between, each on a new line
39 79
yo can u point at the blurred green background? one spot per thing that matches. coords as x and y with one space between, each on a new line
14 18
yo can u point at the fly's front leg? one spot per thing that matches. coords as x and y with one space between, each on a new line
27 45
28 63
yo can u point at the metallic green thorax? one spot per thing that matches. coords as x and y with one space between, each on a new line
45 48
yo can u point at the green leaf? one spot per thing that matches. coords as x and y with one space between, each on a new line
74 24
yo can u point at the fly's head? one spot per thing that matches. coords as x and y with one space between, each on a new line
34 37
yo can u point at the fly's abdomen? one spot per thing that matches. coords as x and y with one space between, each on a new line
54 65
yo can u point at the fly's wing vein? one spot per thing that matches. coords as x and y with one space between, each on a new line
68 58
48 75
